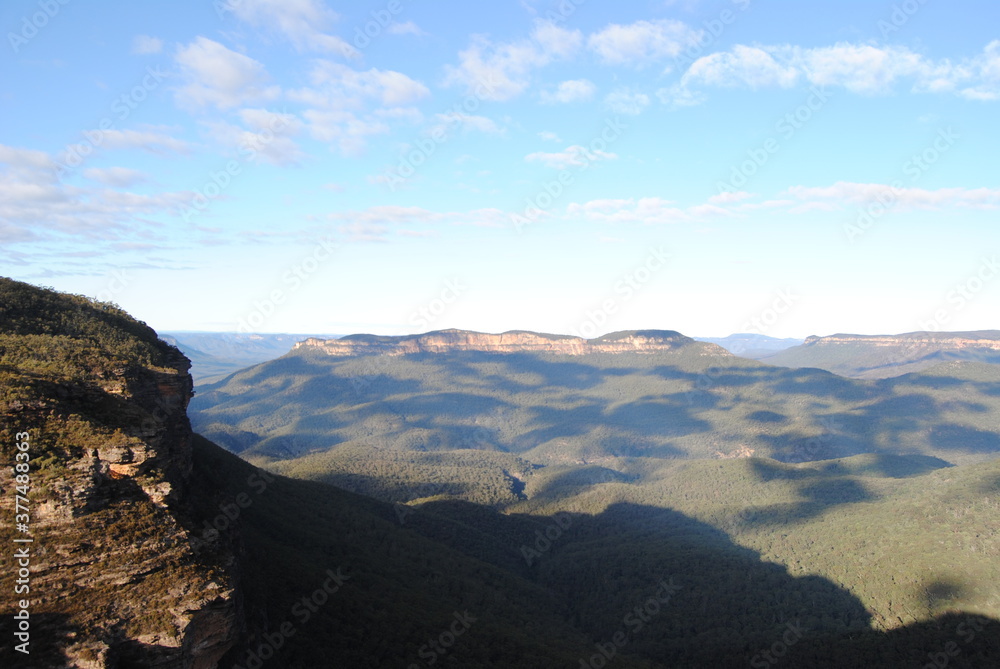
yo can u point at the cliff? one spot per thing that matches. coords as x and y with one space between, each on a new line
939 341
443 341
100 404
884 356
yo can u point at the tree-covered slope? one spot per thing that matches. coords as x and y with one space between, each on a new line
349 417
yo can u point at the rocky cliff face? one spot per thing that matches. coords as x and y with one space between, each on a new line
938 341
641 341
115 580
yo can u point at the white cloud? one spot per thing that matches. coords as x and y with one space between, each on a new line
643 42
844 194
555 42
986 72
341 98
626 101
300 21
265 137
25 159
549 136
743 66
379 223
34 205
574 90
144 44
647 210
342 129
337 86
572 156
730 197
865 69
680 95
450 121
407 28
860 68
503 71
116 177
217 76
154 140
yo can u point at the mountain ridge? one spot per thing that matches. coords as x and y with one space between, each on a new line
884 356
513 341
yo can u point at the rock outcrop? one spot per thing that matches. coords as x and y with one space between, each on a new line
944 341
443 341
101 404
885 356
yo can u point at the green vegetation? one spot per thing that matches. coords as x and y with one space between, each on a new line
899 528
29 311
857 356
608 519
590 565
548 409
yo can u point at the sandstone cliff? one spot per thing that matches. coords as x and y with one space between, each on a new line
883 356
114 579
957 341
638 341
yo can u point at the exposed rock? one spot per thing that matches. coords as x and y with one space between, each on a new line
109 515
638 341
943 341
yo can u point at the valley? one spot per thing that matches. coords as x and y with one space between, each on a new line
644 501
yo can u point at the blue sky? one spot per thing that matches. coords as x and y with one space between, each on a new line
566 166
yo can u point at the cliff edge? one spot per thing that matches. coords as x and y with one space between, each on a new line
515 341
98 403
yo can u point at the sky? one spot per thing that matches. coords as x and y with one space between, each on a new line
564 166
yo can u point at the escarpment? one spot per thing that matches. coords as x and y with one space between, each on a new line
444 341
947 341
115 579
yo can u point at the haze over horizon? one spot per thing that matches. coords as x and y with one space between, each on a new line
565 166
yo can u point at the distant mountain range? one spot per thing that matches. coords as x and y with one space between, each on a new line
884 356
750 345
215 355
527 398
628 518
516 341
